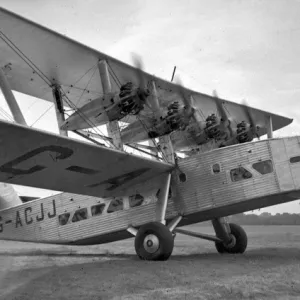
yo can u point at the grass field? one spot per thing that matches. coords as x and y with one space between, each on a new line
270 269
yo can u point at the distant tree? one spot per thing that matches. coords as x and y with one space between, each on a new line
266 219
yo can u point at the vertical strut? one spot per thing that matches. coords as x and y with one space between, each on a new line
166 147
59 109
10 99
162 201
270 127
113 129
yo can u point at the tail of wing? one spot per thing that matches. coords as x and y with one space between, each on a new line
8 196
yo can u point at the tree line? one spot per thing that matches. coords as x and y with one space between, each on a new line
265 219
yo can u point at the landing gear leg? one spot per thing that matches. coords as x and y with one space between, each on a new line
234 238
155 240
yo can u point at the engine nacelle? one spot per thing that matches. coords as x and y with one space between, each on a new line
243 133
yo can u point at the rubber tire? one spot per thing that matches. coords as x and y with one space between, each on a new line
165 237
241 241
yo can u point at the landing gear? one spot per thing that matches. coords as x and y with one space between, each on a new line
238 242
154 241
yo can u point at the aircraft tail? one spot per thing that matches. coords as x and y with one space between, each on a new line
8 196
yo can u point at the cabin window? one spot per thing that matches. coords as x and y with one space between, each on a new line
136 200
169 195
263 167
97 210
240 173
216 168
79 215
295 159
115 205
63 219
182 177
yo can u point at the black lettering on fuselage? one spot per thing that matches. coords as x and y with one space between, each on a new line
18 220
30 220
41 218
62 153
54 210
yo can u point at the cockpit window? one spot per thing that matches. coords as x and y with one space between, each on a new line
63 218
295 159
97 210
240 173
115 205
263 167
79 215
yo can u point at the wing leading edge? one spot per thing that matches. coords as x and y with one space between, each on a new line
38 66
35 158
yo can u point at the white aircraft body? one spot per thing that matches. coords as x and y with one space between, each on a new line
109 194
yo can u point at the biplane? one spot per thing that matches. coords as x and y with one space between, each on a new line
198 157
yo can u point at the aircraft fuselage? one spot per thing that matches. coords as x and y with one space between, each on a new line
217 183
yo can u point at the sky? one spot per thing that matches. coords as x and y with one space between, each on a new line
244 49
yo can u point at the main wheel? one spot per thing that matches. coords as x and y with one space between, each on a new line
154 241
239 241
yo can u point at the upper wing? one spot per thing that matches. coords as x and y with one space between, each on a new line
34 58
35 158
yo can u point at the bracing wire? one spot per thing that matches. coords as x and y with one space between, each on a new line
44 113
69 102
44 78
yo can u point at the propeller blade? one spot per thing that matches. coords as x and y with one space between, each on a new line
180 88
249 115
220 107
138 64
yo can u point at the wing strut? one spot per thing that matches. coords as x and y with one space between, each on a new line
269 127
113 129
10 99
59 109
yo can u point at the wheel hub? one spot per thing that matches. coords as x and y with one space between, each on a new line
232 243
151 243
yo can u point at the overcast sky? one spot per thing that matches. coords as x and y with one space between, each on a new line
244 49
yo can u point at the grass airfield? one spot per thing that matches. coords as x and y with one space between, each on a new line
270 269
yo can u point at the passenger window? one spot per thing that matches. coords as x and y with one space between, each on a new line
216 168
63 219
136 200
97 210
115 205
169 195
295 159
240 173
263 167
79 215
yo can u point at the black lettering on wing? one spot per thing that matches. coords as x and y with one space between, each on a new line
117 181
62 153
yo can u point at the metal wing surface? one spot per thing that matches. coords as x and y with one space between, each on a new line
35 158
34 58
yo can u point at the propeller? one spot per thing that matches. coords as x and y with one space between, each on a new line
138 64
249 115
151 102
221 110
191 110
